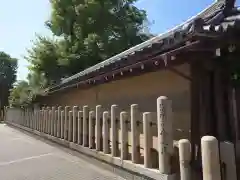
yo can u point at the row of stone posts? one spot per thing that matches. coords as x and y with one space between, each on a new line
95 129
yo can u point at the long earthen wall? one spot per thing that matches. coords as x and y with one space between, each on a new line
142 90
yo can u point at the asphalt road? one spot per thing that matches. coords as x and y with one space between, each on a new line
23 157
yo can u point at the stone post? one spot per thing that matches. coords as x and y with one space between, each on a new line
227 154
44 120
36 119
59 122
147 119
29 119
70 126
114 130
75 110
80 127
184 159
48 120
135 134
91 130
66 122
33 120
62 125
165 134
124 135
53 119
55 123
26 117
98 127
41 120
105 132
210 158
85 125
50 115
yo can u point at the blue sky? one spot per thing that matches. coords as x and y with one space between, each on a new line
20 20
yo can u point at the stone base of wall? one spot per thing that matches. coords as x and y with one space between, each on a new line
125 168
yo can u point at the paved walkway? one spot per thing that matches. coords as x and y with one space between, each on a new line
24 157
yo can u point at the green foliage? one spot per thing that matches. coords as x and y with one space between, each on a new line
25 91
20 94
92 31
43 58
8 69
86 33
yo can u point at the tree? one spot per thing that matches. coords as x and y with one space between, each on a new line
44 59
89 32
20 95
85 33
25 91
8 70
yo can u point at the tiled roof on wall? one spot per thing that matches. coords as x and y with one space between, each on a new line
205 14
213 20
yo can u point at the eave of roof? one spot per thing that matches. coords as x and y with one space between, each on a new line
212 19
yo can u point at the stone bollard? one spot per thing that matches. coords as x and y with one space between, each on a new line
55 123
35 121
75 110
44 119
106 138
85 126
114 130
41 120
124 135
70 126
80 127
98 127
49 121
66 122
147 119
184 159
227 156
27 117
59 122
210 158
91 130
62 125
165 134
135 134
